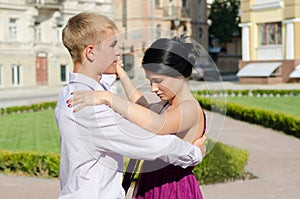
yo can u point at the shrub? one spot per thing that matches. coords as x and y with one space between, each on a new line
270 119
223 163
33 107
30 163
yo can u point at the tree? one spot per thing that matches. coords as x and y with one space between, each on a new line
224 15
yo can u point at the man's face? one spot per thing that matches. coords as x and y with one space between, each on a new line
108 53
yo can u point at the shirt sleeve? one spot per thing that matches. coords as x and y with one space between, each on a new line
102 128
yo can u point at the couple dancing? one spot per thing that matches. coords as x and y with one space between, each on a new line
97 127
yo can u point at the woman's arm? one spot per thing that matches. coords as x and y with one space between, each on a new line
176 120
132 92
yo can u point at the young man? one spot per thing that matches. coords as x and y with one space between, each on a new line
94 140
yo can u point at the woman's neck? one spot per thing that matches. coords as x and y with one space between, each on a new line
183 95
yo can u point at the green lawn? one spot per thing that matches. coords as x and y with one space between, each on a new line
37 131
34 131
287 105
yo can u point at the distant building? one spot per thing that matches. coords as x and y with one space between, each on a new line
270 41
162 17
198 10
226 55
146 21
31 50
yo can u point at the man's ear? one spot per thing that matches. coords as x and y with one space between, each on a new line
89 53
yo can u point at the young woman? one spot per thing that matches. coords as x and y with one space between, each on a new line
168 64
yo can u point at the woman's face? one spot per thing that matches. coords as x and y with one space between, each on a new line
165 87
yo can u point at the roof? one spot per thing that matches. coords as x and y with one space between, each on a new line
262 69
296 72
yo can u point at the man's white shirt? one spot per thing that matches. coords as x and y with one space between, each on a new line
95 139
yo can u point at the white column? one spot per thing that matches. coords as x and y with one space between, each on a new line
245 41
289 45
289 39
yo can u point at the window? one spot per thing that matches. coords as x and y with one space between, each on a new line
12 29
63 73
158 31
270 34
157 3
200 31
37 32
60 24
183 3
15 74
171 8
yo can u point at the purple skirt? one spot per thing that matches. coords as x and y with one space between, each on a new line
166 182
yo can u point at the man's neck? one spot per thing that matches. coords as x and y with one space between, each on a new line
79 68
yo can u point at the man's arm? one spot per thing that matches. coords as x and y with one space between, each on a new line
109 131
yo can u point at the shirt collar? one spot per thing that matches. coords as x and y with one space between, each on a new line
83 79
104 84
107 81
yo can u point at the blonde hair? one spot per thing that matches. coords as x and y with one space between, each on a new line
85 29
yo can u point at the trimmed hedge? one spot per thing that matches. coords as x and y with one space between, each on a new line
30 108
254 92
270 119
30 163
223 163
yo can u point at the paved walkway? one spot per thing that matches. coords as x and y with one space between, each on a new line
274 158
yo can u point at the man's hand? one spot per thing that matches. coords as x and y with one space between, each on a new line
200 143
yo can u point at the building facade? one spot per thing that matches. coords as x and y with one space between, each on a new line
31 50
146 21
270 41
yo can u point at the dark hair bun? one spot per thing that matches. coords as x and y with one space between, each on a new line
172 57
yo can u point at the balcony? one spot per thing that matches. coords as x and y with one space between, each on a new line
176 12
94 1
269 52
45 4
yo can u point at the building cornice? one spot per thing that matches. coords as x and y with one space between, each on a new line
13 7
266 6
291 20
242 25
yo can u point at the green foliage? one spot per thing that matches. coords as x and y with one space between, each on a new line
29 131
30 108
30 163
289 124
223 163
38 131
225 19
254 92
